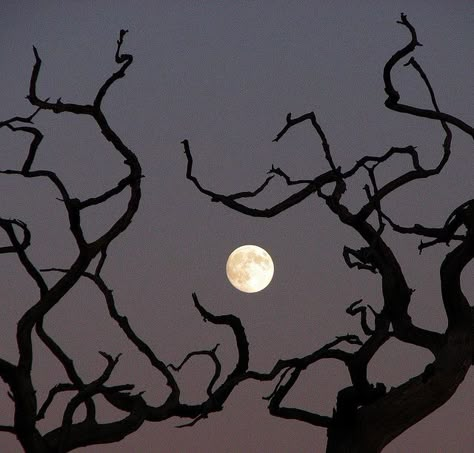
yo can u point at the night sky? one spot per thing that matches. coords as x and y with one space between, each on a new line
224 75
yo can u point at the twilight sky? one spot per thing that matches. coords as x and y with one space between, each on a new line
224 75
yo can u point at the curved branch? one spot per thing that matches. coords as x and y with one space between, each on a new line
123 323
325 352
57 106
37 138
21 383
392 101
445 234
125 60
311 117
217 366
456 305
355 309
19 249
133 180
312 187
294 413
90 432
418 172
239 333
25 243
108 194
58 388
83 395
67 364
71 204
377 160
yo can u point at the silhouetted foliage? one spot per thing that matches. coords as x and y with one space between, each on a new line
367 416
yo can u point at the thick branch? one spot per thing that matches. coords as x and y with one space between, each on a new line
456 305
90 432
21 385
239 333
7 429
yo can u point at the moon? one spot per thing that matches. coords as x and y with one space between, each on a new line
249 268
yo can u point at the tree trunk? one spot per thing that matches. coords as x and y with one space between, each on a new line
376 425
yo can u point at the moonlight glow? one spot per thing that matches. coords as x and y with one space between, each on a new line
249 268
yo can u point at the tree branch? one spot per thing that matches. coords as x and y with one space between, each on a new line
7 429
58 106
355 309
19 249
125 60
239 333
89 432
312 187
392 101
294 413
123 323
58 388
311 117
5 224
217 366
82 395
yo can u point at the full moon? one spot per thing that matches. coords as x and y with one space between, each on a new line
249 268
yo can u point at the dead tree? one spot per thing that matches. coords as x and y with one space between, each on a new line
366 416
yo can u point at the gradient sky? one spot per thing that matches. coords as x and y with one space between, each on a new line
224 75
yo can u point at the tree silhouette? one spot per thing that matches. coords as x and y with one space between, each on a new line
367 415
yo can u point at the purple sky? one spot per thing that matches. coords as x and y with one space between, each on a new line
224 75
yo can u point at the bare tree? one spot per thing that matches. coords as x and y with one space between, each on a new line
367 416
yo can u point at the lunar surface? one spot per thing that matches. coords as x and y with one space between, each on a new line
249 268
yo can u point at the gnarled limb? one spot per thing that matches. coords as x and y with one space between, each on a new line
352 424
7 225
312 187
217 365
18 376
122 321
355 309
19 249
392 101
366 417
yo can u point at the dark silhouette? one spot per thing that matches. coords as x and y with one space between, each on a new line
367 416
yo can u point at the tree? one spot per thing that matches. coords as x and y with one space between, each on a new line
367 416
